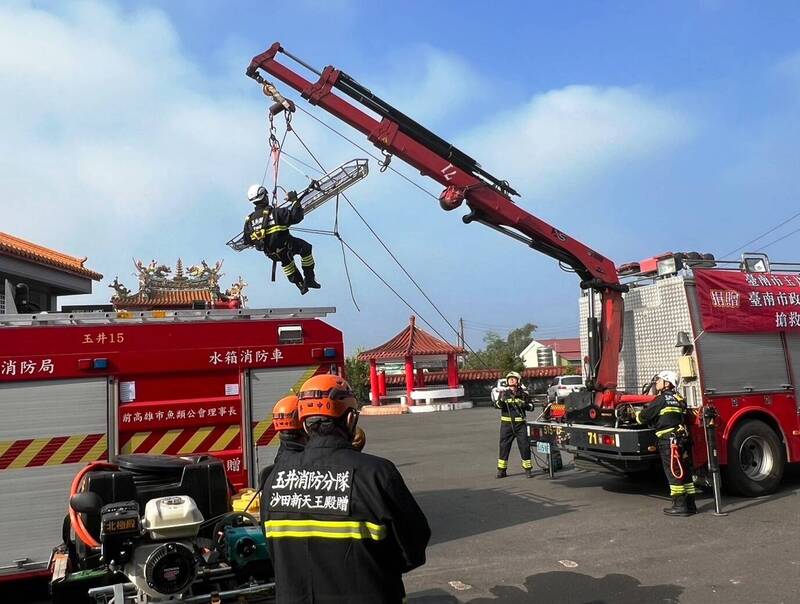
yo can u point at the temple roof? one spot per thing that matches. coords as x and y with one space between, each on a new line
164 298
15 246
160 287
412 341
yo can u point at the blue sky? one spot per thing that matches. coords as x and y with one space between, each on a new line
130 131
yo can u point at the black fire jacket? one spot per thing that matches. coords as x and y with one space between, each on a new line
666 413
342 526
268 228
513 403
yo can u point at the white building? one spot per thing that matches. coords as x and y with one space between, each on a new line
559 352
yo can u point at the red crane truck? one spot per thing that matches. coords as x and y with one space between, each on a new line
83 387
745 370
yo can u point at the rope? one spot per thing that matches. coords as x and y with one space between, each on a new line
393 290
385 247
372 155
347 274
675 465
378 238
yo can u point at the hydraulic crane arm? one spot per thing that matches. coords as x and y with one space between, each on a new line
465 180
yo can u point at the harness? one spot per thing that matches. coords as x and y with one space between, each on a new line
675 405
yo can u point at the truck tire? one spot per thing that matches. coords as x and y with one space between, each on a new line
756 460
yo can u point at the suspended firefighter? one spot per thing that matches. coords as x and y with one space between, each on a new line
267 229
513 402
667 413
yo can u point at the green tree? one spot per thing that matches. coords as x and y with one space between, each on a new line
357 373
502 353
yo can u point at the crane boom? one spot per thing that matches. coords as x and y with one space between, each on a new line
488 198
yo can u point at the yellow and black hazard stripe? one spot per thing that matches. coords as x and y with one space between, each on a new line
307 261
182 441
52 451
324 529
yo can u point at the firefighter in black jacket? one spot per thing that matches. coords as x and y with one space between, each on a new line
667 413
286 421
292 438
342 526
267 229
513 402
291 435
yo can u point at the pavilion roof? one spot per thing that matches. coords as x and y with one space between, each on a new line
412 341
478 375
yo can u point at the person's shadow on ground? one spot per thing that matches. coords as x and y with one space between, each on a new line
564 587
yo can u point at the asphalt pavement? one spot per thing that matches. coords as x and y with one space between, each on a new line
581 538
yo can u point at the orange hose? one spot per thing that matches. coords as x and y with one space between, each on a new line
75 518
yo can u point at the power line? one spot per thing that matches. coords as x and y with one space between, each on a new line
763 247
764 234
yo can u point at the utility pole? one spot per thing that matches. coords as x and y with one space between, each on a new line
461 341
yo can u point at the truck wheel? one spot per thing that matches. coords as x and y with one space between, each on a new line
756 460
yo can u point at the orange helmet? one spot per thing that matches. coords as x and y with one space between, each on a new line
325 394
284 414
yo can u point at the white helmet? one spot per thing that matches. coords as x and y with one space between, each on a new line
669 376
256 193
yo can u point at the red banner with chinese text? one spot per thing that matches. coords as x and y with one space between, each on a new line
734 301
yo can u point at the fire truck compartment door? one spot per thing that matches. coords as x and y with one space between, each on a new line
49 429
267 387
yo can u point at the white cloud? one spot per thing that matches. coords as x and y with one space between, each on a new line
564 138
428 85
102 114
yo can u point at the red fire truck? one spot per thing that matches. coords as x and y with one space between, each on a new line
81 387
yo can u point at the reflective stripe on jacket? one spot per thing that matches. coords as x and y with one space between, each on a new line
666 413
513 403
342 526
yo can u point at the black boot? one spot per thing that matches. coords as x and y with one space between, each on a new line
529 472
690 504
678 507
309 278
298 281
501 473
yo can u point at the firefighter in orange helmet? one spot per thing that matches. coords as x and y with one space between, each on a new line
342 525
287 424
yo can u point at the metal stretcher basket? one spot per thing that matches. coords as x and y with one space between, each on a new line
319 191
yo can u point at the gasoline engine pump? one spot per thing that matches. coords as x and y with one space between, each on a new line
155 528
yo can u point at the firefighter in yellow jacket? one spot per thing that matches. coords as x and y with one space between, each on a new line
513 402
667 414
